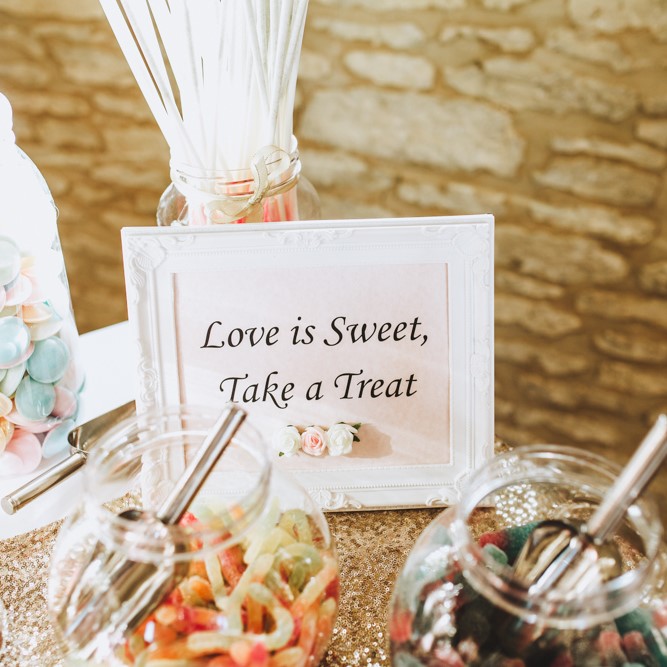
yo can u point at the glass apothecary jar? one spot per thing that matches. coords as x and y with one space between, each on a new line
272 190
457 602
255 576
40 375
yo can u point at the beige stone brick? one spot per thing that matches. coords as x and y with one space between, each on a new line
600 180
578 427
636 154
398 35
503 5
623 307
36 103
388 5
334 208
653 277
541 84
580 45
640 346
627 378
565 260
399 70
457 198
128 105
68 134
313 66
507 281
653 131
535 316
612 16
598 221
508 40
550 360
24 73
70 10
132 175
450 134
93 66
138 142
329 169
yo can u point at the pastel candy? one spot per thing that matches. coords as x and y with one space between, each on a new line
6 405
19 291
33 425
6 433
10 260
14 341
13 376
35 400
55 441
49 360
23 359
27 447
36 313
9 311
3 298
10 464
74 377
66 403
44 330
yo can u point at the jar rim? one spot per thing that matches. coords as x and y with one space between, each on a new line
611 599
186 176
119 446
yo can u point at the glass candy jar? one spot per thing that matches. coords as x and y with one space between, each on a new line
272 190
457 602
39 375
253 573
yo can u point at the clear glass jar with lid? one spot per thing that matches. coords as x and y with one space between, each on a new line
457 601
273 189
40 376
253 573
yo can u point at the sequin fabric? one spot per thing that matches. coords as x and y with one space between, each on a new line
371 546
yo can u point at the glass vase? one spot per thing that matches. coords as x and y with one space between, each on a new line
457 601
40 376
253 577
273 190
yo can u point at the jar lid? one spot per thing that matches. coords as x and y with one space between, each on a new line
6 121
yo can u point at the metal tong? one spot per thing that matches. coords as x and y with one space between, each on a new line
114 599
558 556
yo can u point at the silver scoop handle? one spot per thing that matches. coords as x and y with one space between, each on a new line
187 486
48 479
630 483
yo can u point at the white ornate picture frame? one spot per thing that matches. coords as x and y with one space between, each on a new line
400 345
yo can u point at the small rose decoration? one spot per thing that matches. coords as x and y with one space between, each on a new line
314 441
341 437
286 441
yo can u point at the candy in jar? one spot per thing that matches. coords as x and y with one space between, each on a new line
458 601
40 377
255 576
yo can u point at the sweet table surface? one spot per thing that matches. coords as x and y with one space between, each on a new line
372 546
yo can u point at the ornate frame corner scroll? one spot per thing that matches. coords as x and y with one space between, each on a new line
152 256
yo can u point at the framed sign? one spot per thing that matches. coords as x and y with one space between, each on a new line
362 349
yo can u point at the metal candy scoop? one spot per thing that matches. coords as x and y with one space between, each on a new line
113 597
560 556
80 439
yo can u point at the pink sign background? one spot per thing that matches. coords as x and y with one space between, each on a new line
308 312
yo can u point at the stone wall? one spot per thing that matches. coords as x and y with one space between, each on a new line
551 114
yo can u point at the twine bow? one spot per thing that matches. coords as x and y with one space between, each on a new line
267 164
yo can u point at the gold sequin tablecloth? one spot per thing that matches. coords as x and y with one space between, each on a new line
372 547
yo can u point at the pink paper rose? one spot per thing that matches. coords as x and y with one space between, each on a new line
314 441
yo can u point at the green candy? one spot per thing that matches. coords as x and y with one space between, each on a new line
35 400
